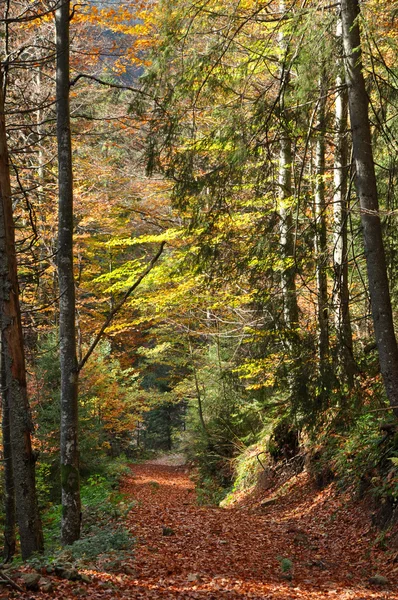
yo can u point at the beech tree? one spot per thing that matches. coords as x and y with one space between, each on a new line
70 479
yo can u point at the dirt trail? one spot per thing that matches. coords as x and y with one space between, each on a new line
169 460
307 545
186 551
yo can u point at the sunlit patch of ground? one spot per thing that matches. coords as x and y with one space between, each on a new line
184 551
237 553
170 460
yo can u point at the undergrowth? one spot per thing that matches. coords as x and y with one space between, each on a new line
361 458
209 492
361 455
104 510
248 467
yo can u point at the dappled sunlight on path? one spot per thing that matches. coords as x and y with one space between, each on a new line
304 544
188 551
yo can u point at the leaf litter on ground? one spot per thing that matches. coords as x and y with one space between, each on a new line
309 544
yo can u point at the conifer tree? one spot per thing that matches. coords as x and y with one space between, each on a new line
13 369
366 185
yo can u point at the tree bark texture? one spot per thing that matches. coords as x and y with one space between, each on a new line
296 375
13 365
321 249
341 296
290 307
9 490
70 481
368 196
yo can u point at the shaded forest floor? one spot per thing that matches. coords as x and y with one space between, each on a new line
308 544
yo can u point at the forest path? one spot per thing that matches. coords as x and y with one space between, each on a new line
187 551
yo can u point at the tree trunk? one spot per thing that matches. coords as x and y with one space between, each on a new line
290 307
341 296
15 392
70 482
367 192
9 491
321 250
296 376
198 393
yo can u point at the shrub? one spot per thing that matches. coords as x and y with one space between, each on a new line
103 507
101 541
361 457
209 492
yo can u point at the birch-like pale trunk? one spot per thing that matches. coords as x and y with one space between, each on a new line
286 236
321 249
366 186
296 375
13 366
341 296
70 480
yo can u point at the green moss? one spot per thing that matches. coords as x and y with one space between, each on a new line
69 478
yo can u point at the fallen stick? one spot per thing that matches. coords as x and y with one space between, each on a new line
11 582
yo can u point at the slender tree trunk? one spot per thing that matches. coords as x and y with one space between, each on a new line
9 491
70 482
13 365
169 432
41 289
367 192
290 307
296 376
321 249
198 393
341 296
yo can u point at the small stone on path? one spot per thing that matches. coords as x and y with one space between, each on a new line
31 581
378 580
